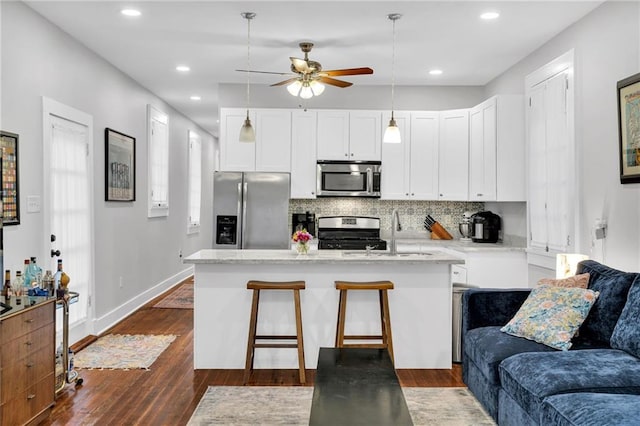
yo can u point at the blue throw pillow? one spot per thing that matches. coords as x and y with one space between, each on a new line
626 335
613 286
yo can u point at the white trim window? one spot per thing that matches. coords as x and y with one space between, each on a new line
158 133
195 183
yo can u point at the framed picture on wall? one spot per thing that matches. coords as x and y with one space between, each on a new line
629 128
10 193
120 166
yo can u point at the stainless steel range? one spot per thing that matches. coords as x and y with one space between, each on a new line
349 233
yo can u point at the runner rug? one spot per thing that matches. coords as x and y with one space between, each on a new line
181 298
291 405
123 351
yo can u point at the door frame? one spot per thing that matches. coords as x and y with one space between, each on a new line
52 108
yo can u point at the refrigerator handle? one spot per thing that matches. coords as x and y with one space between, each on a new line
244 211
239 213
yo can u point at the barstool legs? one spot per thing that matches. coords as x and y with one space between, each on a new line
301 365
251 344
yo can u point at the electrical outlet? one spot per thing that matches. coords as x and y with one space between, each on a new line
600 229
121 283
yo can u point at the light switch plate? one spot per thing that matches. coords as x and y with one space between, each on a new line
33 204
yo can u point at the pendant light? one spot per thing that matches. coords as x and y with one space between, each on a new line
247 134
392 133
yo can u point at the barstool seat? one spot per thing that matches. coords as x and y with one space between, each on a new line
252 343
385 321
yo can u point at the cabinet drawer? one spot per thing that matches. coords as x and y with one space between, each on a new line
18 348
29 403
28 320
17 376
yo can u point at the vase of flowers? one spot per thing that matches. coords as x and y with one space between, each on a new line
301 237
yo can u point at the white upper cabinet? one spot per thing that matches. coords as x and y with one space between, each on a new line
425 129
496 150
396 157
272 150
303 154
453 164
273 140
349 135
333 135
235 155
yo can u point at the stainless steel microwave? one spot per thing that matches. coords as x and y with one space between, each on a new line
348 179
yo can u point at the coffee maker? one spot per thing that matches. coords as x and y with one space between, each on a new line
486 227
304 221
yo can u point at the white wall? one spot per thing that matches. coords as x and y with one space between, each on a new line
607 49
38 59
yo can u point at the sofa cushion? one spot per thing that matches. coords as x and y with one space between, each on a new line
488 346
626 334
580 281
591 409
530 377
613 286
552 315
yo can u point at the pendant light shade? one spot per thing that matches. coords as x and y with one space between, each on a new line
392 133
247 134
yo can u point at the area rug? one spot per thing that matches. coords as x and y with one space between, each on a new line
181 298
291 405
123 351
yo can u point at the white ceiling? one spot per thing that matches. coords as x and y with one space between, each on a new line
211 37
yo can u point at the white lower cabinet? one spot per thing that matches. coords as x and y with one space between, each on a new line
493 268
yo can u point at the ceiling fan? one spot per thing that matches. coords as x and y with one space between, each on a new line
308 77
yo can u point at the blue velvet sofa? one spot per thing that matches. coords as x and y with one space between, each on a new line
521 382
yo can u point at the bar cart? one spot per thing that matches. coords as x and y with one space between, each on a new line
66 374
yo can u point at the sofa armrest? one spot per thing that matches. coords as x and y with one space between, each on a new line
484 307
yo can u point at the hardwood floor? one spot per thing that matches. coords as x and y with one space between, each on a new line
167 394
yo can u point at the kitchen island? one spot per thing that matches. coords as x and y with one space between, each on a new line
420 304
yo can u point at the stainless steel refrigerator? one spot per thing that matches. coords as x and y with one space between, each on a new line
250 210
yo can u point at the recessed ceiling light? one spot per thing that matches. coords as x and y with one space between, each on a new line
195 98
488 16
183 68
130 12
435 72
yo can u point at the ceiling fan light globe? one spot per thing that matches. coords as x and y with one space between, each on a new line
317 88
306 92
392 133
247 134
294 88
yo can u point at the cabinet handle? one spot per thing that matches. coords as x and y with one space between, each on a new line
412 194
29 321
456 273
346 155
352 154
442 195
28 343
407 194
479 195
30 364
313 193
31 396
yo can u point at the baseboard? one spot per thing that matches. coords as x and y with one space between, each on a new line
100 325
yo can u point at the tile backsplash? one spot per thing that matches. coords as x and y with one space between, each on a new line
412 213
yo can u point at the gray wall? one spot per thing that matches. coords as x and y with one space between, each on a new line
607 49
39 60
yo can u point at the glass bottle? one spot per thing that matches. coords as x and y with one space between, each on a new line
48 283
6 290
37 272
58 274
26 273
18 284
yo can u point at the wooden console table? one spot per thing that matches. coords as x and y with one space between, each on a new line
357 386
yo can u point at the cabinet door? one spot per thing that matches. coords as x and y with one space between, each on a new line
235 155
303 154
510 151
396 169
273 140
365 138
333 135
424 155
482 151
453 176
537 181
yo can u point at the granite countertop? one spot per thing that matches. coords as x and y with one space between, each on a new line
281 257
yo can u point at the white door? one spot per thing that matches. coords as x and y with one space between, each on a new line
67 137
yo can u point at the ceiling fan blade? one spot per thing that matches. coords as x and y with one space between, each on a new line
300 65
334 82
347 71
282 83
266 72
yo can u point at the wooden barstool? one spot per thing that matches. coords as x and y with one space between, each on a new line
252 344
385 320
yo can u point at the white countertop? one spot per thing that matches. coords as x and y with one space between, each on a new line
280 257
412 240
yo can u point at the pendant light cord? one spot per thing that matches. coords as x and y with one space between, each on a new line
248 17
393 66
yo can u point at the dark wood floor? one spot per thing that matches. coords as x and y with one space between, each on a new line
168 393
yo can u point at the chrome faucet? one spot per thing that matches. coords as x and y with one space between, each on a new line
395 226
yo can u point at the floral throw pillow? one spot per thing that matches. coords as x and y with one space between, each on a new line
552 315
580 281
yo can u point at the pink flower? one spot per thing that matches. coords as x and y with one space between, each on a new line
302 236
